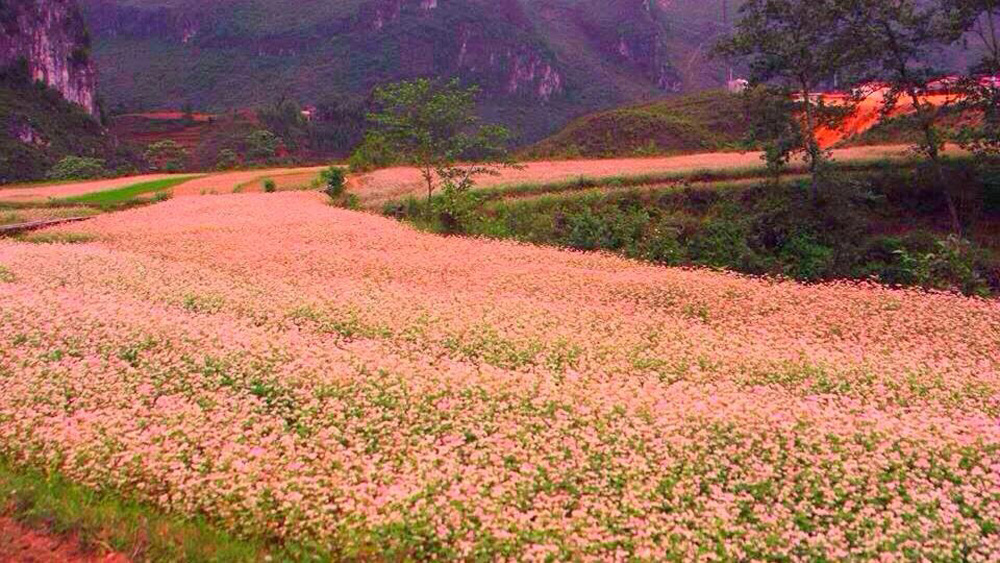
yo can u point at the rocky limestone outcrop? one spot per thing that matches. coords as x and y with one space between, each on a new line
51 38
637 41
491 51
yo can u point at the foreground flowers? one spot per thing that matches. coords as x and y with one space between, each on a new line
333 377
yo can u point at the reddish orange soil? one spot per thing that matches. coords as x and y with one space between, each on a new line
284 182
22 545
868 115
226 182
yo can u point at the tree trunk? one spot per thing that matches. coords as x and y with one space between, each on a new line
934 155
812 145
429 178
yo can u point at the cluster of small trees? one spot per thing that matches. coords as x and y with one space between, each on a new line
793 47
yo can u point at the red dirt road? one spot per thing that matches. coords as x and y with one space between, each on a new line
391 183
22 545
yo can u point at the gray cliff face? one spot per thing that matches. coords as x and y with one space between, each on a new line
50 36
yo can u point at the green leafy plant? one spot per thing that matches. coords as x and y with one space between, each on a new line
78 168
334 181
433 126
270 186
167 156
227 159
262 145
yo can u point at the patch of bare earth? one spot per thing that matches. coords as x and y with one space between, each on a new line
227 182
23 545
284 182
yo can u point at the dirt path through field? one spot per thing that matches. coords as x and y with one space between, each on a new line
380 186
226 182
23 545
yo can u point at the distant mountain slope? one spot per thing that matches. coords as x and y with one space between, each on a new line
47 90
708 121
540 62
38 127
49 37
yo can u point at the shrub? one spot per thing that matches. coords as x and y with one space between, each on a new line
588 231
262 145
77 168
456 209
662 245
351 201
991 189
373 153
167 156
722 243
227 159
921 260
803 258
270 186
334 181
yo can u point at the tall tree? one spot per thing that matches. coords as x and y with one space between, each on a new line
796 45
981 21
433 125
899 39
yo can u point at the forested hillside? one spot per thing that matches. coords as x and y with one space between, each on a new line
540 62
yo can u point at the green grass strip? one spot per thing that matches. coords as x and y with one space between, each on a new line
707 175
127 193
53 505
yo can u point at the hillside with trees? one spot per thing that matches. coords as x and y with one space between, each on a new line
538 62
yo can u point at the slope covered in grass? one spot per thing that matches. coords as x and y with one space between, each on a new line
707 121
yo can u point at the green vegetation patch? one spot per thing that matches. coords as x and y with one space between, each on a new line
103 520
57 238
885 222
129 193
707 121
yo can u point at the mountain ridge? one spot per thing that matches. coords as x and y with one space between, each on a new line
539 62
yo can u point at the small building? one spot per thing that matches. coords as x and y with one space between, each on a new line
738 85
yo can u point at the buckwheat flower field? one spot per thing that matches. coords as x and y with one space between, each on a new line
325 376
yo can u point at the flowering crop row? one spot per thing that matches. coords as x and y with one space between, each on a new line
296 370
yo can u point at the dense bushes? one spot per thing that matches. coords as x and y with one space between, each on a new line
39 128
887 224
78 168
